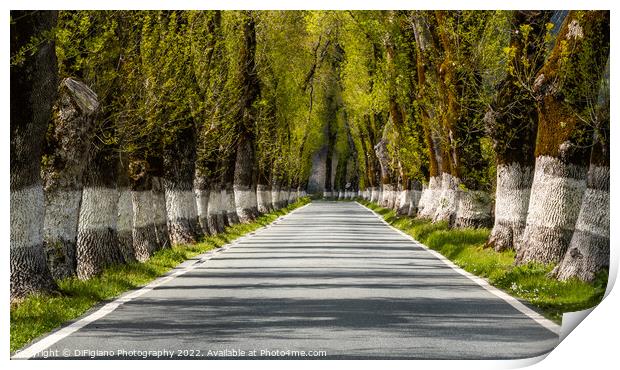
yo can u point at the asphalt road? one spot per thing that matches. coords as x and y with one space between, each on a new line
329 277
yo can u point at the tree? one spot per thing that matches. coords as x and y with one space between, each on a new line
165 54
427 56
33 90
511 123
463 200
245 161
69 136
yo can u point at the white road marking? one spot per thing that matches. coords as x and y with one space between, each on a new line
541 320
55 337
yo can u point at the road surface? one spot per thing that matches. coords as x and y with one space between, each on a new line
330 280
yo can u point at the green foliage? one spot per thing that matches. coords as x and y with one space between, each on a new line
465 247
346 72
39 314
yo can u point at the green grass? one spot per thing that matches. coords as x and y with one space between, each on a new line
465 248
39 314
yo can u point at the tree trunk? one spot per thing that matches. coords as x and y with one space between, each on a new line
275 191
33 90
70 136
448 199
179 166
145 241
588 252
474 209
97 241
427 54
328 192
263 198
404 200
387 183
396 117
292 195
124 222
565 85
511 123
159 212
229 210
245 163
512 197
244 185
214 212
202 194
263 191
144 233
416 194
428 197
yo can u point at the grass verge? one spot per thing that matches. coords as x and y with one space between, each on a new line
465 248
40 314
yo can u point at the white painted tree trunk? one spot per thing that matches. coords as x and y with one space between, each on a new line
404 202
159 214
275 197
202 207
512 196
414 200
229 206
245 203
300 193
263 198
588 251
394 198
29 272
448 199
62 211
97 240
386 195
214 211
555 201
144 234
474 209
124 224
291 196
429 198
69 138
180 213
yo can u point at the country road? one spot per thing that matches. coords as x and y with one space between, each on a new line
331 279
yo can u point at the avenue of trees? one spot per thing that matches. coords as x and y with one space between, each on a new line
133 131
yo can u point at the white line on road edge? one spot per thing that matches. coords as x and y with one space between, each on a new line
540 319
55 337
